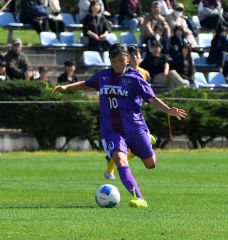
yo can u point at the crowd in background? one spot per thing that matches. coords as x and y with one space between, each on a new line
165 31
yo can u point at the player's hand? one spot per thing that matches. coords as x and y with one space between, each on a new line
177 112
59 89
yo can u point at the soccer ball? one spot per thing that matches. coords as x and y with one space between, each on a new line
107 196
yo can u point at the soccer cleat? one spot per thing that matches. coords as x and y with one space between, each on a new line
109 176
138 203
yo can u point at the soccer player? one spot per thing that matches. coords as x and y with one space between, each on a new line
134 61
122 126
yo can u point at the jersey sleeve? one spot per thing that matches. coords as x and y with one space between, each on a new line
144 90
93 82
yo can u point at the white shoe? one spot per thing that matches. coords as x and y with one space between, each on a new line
109 176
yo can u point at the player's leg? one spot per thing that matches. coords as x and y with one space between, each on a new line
109 173
125 174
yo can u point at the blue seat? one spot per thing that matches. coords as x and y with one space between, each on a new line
6 18
92 59
49 39
200 81
218 79
204 40
69 39
201 61
112 38
106 59
128 38
69 21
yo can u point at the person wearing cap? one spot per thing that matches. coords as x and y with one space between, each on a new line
16 61
158 66
69 75
176 19
3 75
153 19
122 125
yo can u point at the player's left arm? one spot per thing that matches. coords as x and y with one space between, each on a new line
172 111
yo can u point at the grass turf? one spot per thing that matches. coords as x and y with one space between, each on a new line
50 195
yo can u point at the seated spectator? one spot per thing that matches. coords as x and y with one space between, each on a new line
43 74
167 6
177 41
30 74
210 13
158 67
183 63
160 36
153 19
96 28
84 5
219 48
176 19
130 14
135 60
3 75
69 75
35 14
55 19
16 61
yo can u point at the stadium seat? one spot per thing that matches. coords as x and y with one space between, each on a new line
105 57
201 61
200 81
6 18
204 40
128 38
48 39
69 21
218 79
196 22
112 38
69 39
92 59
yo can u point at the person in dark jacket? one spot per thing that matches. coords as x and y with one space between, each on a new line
219 47
31 15
96 28
183 63
130 14
69 75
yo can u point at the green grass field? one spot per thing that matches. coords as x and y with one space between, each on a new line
50 195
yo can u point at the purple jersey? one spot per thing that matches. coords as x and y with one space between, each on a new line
121 100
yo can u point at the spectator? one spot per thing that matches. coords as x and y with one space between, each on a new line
30 74
96 27
160 36
43 74
84 5
3 75
130 14
69 75
177 41
210 14
55 19
167 6
158 67
16 62
135 60
183 63
153 19
35 14
176 19
219 48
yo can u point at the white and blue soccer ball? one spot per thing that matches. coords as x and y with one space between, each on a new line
107 196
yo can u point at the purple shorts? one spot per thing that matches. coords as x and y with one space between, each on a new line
139 144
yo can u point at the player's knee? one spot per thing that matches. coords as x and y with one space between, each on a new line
151 165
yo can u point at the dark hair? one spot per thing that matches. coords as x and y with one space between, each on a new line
42 69
117 49
69 63
92 4
133 49
176 28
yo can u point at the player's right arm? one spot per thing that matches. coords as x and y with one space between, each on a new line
70 87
